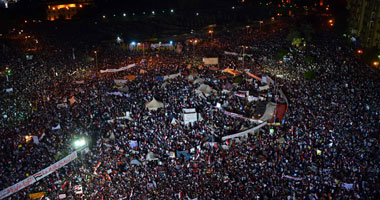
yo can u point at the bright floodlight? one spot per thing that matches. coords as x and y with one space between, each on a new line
79 143
153 12
171 42
133 43
124 14
171 10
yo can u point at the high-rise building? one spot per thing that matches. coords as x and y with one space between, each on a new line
364 21
65 9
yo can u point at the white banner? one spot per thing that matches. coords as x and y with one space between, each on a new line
231 53
292 178
252 98
52 168
189 110
244 132
190 118
118 70
265 87
120 82
210 61
17 187
37 176
56 128
171 76
9 90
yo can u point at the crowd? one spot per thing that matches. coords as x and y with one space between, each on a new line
327 146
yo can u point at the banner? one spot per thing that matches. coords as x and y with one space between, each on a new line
118 70
252 75
172 76
52 168
17 187
265 87
56 128
37 195
244 132
242 95
79 82
133 143
189 110
190 118
9 90
292 178
231 71
235 115
252 98
120 82
210 61
231 53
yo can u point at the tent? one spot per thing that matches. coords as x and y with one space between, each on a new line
172 76
269 111
203 89
199 80
154 105
151 156
135 162
190 77
164 84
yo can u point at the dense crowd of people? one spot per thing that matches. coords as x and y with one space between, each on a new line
325 148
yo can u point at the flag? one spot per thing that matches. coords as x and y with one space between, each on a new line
64 185
72 100
56 128
97 167
131 194
108 177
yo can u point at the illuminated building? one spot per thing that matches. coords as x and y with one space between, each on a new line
65 9
364 21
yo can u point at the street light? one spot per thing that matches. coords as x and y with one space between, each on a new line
244 48
211 32
360 51
247 28
375 63
79 143
96 59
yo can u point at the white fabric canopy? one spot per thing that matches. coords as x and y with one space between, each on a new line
204 89
199 80
154 105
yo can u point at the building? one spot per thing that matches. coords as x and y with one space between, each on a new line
364 21
65 9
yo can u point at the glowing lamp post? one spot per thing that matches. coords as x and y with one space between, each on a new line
79 143
211 32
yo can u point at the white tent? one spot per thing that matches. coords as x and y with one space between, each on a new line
190 77
269 111
151 156
164 84
154 105
204 89
199 80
